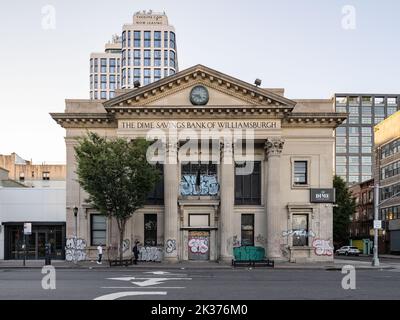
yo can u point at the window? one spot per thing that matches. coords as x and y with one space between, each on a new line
378 120
341 160
391 170
136 58
112 94
124 39
354 179
103 95
354 131
391 110
199 179
147 58
247 230
390 191
172 59
137 39
98 229
129 58
112 82
366 149
96 67
248 187
172 40
112 66
341 131
354 141
147 76
390 213
341 170
354 160
366 131
390 149
166 39
103 66
129 38
353 149
157 58
157 74
379 112
366 120
341 149
392 101
156 197
341 141
300 173
46 176
123 77
366 161
124 58
103 81
353 169
150 230
147 39
136 74
22 176
341 109
379 101
366 101
354 101
354 111
354 120
300 230
157 39
366 141
165 58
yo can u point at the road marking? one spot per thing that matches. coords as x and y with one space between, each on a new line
147 281
165 273
143 288
118 295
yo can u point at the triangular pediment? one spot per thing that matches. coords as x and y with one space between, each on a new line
223 90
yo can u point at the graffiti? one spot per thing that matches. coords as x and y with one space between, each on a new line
208 185
198 245
298 233
260 239
126 244
322 247
171 246
154 254
235 242
75 249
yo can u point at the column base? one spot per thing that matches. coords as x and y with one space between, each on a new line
225 259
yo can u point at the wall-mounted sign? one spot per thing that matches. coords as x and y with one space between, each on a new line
27 229
378 224
322 196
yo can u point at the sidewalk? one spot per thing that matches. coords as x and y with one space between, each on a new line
188 265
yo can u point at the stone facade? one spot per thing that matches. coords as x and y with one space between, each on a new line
284 132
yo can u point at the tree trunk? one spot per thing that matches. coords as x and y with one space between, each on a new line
121 227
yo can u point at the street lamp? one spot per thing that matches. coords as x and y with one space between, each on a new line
76 220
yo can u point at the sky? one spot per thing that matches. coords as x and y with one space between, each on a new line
312 48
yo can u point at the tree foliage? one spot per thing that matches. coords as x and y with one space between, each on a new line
342 212
116 175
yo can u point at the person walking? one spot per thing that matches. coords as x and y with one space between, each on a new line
135 251
100 253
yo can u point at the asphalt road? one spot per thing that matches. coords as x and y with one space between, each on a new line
229 284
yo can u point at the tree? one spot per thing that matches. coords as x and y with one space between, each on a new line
116 175
346 206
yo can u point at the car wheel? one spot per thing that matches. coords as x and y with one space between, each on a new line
346 253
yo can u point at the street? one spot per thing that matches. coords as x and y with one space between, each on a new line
198 284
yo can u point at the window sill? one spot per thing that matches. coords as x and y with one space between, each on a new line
301 186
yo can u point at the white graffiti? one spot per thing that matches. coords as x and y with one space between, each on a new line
153 254
126 244
322 247
208 185
171 246
198 245
75 249
298 233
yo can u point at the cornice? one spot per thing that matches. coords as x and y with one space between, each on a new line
320 120
84 120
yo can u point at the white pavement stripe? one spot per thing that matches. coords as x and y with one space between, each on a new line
143 288
118 295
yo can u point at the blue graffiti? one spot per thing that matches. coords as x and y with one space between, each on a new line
208 186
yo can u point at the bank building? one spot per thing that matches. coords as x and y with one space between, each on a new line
203 209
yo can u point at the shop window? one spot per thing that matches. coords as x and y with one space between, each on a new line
98 229
150 230
300 230
46 176
247 229
156 197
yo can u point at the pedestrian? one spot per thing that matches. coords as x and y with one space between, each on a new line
135 251
100 253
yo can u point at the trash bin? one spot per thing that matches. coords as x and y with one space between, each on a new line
48 254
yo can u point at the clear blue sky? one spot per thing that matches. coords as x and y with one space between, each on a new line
296 44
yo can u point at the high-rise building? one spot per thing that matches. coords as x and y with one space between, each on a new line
354 138
105 70
146 52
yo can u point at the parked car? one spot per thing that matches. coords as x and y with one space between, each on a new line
348 251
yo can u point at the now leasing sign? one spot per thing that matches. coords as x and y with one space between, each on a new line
323 196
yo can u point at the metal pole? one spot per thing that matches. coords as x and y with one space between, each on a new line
375 261
24 249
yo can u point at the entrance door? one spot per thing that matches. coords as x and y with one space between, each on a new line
199 245
41 245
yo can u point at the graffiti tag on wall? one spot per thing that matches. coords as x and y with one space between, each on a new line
208 186
298 233
153 254
75 249
198 245
322 247
171 246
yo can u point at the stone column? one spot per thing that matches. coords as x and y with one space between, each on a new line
171 186
273 150
227 201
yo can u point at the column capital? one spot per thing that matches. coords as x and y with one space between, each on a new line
226 149
273 147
